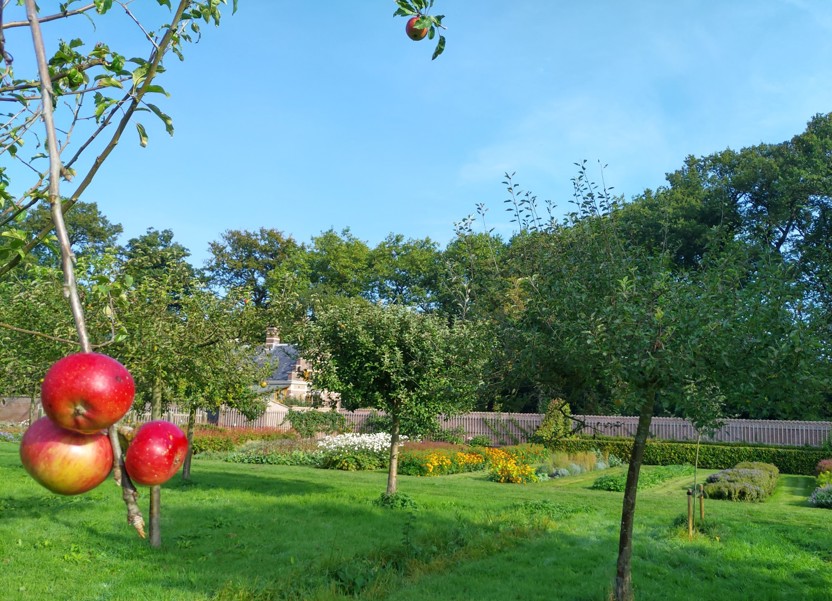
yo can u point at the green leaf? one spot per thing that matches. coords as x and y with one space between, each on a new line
110 82
440 47
164 3
142 135
102 6
156 89
165 118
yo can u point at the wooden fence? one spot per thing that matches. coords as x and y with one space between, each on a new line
512 428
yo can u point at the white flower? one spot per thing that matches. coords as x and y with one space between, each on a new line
373 443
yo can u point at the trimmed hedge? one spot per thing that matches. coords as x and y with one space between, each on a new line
789 460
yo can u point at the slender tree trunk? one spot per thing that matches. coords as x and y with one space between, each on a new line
33 408
623 574
128 491
392 473
156 491
186 468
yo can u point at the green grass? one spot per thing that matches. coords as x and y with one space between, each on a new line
263 533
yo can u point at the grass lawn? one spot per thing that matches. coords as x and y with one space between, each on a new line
262 533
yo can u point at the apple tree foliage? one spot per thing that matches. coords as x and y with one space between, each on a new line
99 91
412 366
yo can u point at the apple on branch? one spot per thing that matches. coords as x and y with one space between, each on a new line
156 452
63 461
87 392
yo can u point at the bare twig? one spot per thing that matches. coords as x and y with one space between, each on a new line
38 334
55 17
67 257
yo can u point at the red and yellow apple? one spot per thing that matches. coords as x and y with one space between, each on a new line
87 392
413 32
156 452
65 462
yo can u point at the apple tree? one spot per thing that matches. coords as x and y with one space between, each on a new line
656 337
411 365
86 96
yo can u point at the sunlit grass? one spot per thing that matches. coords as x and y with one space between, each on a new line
263 533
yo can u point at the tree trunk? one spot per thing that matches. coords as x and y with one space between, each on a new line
392 473
186 468
156 491
623 575
33 408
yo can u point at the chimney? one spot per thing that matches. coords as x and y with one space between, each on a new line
272 338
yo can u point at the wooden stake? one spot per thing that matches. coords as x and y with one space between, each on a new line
690 514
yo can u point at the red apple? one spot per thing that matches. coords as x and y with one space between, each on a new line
155 453
87 392
65 462
413 32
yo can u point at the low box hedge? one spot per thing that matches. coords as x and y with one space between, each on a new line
789 460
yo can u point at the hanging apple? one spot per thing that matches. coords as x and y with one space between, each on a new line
414 32
87 392
63 461
156 452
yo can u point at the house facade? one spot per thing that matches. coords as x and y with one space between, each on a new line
288 384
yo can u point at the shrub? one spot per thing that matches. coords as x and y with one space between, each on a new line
214 439
351 460
309 423
824 479
789 460
824 465
556 424
822 497
748 481
398 500
481 440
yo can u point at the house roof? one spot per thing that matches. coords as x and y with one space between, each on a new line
287 357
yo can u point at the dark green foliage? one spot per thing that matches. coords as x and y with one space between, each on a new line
351 460
796 460
211 439
275 457
480 441
309 423
648 478
556 424
397 500
747 481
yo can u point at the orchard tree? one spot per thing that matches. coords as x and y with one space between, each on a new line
410 365
86 96
600 309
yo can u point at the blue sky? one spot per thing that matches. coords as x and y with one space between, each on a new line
301 116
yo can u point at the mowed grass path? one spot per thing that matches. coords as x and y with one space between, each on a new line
260 533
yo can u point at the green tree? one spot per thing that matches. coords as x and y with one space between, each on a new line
246 260
89 231
413 366
405 272
339 264
597 308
